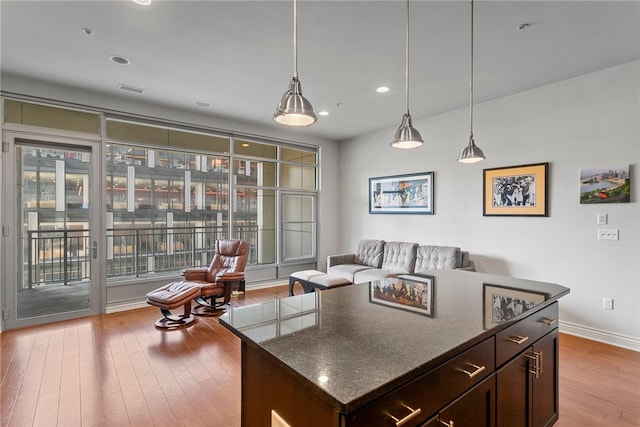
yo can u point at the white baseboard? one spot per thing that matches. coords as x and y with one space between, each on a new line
619 340
124 306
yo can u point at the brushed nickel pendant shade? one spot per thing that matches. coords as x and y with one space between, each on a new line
294 109
406 136
471 153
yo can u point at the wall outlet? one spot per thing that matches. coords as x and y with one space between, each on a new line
608 234
607 303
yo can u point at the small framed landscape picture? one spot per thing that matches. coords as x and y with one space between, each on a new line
516 190
605 184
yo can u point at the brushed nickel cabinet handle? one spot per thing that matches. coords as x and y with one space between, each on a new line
413 414
536 359
448 424
477 370
517 339
547 321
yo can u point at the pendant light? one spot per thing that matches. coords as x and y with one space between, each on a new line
406 136
471 153
294 109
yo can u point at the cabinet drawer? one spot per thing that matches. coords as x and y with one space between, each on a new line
430 392
518 337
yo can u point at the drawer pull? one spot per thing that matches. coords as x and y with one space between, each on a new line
449 424
547 321
477 370
517 339
414 413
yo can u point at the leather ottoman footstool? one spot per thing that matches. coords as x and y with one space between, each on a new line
312 280
172 296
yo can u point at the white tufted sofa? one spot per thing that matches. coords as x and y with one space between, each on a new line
377 259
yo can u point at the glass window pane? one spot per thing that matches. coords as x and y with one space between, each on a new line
298 233
251 172
198 141
255 222
300 177
256 149
125 131
293 155
51 117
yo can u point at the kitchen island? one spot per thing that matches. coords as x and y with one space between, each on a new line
452 348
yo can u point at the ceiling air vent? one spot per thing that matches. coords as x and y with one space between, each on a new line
129 88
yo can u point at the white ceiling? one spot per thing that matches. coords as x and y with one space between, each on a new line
238 55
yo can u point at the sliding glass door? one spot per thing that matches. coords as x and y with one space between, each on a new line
54 232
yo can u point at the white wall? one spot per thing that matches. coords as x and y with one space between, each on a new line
591 120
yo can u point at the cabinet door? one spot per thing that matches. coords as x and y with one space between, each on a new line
513 393
475 408
545 385
527 387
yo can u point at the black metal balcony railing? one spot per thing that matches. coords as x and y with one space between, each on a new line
63 256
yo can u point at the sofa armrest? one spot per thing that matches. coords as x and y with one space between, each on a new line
195 274
466 263
333 260
230 276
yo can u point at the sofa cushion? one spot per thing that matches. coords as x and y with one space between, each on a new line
431 257
372 274
369 252
346 271
399 257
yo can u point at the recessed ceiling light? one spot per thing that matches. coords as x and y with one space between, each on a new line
323 113
382 89
202 104
119 60
142 2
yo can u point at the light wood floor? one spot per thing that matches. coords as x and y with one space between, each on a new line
118 369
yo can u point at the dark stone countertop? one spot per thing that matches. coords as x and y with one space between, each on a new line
350 348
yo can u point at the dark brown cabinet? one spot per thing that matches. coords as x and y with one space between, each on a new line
475 408
527 386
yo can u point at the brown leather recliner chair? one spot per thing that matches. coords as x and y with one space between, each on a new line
225 274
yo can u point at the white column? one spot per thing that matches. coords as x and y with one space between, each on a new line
169 233
187 191
131 188
109 235
60 186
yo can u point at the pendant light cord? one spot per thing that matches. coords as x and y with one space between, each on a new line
471 79
295 39
406 73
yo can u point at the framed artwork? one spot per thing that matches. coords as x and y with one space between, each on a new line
516 190
605 184
402 194
502 304
408 295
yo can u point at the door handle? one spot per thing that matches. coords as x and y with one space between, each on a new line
94 250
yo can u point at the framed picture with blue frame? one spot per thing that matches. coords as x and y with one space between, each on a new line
402 194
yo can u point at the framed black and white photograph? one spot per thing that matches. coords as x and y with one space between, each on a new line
402 194
516 190
409 295
502 304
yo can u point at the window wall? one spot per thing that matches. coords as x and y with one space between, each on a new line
171 193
